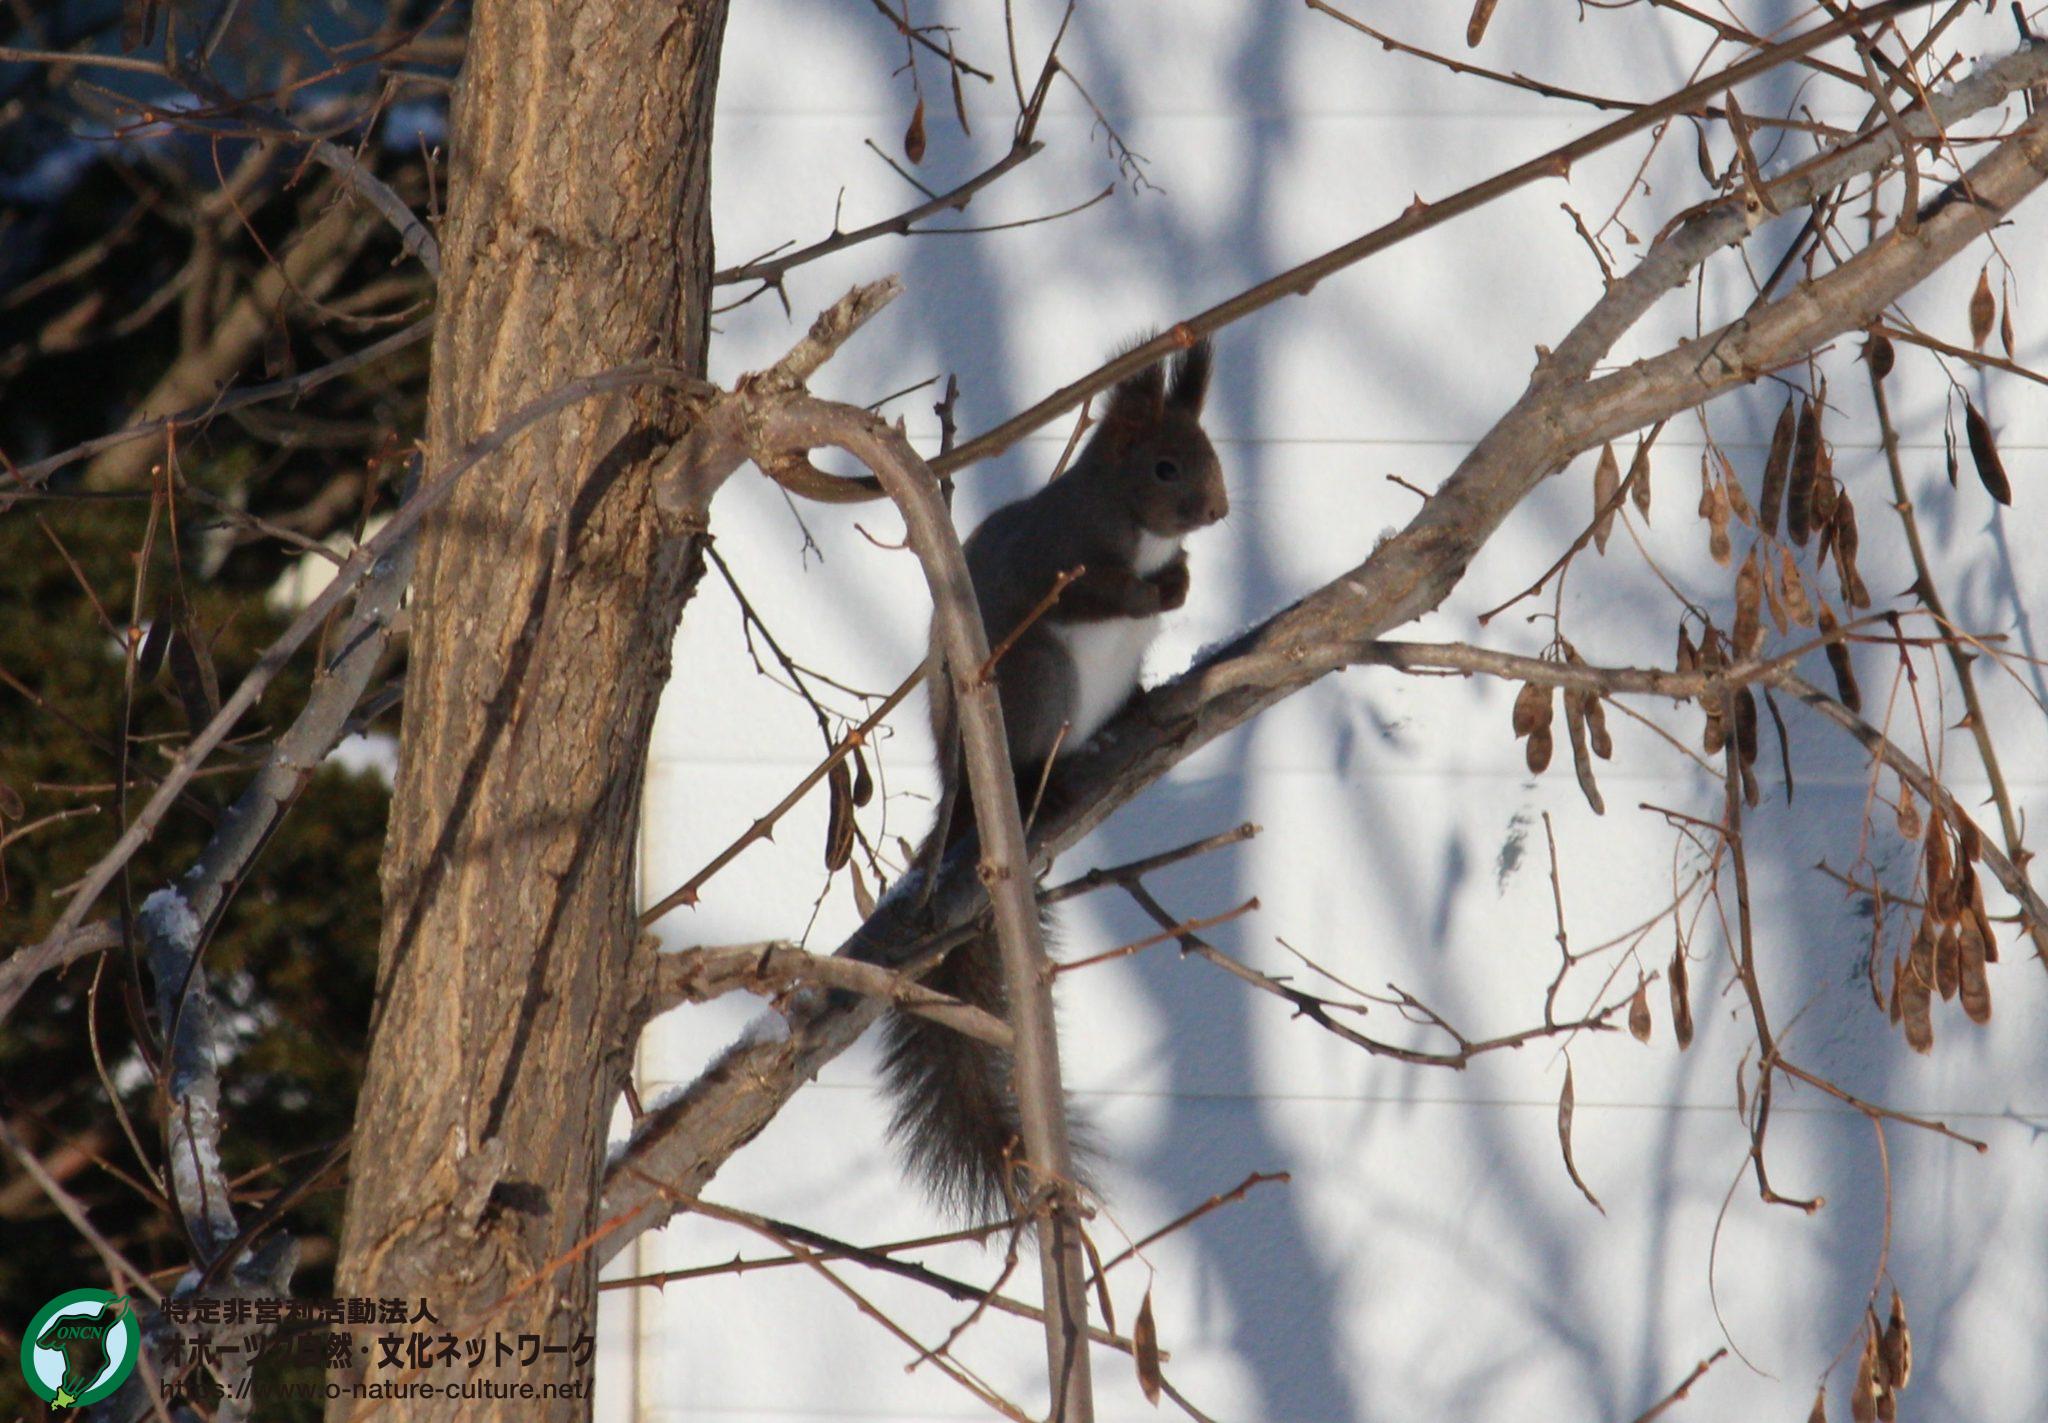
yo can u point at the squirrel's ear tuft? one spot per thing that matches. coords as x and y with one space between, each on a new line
1190 379
1136 405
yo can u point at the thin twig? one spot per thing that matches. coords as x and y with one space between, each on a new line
1699 1372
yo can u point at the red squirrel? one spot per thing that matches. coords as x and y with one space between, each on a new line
1147 478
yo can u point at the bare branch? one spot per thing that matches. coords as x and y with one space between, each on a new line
802 423
1405 576
1300 280
27 964
1678 1394
769 271
773 969
30 475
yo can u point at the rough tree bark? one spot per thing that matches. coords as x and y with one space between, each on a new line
577 238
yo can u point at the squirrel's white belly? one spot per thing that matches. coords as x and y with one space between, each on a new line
1106 658
1107 655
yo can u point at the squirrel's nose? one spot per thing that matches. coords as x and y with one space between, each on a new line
1214 507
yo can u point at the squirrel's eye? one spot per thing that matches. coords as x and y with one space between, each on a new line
1166 470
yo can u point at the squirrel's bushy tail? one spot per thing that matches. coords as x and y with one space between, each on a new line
956 1110
956 1116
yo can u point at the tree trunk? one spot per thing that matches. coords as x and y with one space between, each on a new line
577 238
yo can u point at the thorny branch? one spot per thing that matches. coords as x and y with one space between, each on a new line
1566 410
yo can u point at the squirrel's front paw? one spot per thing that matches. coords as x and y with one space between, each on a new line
1172 583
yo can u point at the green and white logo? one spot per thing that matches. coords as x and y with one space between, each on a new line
80 1347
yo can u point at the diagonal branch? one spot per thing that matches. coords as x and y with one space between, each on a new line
31 475
27 964
684 1143
1420 217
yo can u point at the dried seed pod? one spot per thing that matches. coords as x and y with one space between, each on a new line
1688 655
913 136
1639 1012
1969 845
1745 726
1984 452
1566 1104
1909 814
1537 753
1920 958
1898 973
1606 489
1839 662
2005 328
1947 952
1895 1348
1715 736
1798 606
1863 1398
1145 1351
1941 883
1718 543
1738 501
1752 790
1983 308
1805 468
1821 513
1915 988
1854 593
1887 1406
1749 625
1971 980
862 900
1596 728
1582 760
1681 999
1916 1013
1532 708
1983 920
1774 601
1878 354
1824 544
1639 479
1776 465
1820 1408
839 819
863 783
